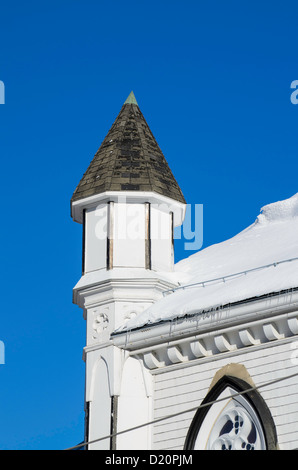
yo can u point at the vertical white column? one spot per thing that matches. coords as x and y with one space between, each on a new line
95 236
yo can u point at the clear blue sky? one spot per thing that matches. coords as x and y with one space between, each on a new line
213 82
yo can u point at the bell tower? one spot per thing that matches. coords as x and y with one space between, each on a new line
128 203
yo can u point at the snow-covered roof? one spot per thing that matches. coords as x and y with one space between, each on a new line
226 272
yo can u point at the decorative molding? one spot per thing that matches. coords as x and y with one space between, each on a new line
134 285
100 322
132 310
136 197
179 342
218 341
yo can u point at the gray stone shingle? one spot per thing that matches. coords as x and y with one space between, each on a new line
129 159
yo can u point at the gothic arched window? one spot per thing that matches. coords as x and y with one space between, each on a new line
241 422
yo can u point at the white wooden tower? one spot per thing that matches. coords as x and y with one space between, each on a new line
128 203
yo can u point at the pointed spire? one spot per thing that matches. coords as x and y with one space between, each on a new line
131 99
129 159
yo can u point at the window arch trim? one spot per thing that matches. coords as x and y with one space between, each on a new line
254 399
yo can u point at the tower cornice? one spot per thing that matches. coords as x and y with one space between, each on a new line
131 197
135 285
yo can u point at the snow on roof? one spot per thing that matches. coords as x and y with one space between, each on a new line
272 238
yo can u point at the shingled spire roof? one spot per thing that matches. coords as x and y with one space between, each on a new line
129 159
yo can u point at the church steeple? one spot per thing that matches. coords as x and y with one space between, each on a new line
129 159
128 202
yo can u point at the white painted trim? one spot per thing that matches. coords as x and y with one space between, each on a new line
253 324
209 359
136 197
148 285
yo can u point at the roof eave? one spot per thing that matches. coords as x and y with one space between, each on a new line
209 320
78 206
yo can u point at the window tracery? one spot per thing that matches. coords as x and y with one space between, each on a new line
236 428
232 421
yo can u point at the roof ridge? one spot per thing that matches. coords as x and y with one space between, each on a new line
139 126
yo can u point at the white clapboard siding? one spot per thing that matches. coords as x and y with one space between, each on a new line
181 388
